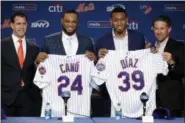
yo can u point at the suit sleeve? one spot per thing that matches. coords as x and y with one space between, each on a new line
90 45
178 57
143 41
97 46
44 46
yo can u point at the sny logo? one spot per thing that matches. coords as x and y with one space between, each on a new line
40 24
110 8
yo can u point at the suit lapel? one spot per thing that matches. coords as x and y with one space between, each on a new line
80 45
60 44
168 46
110 41
28 54
12 54
130 44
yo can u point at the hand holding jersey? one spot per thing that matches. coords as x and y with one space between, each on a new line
65 73
127 75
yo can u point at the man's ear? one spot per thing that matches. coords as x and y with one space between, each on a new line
169 30
152 28
61 21
11 25
110 21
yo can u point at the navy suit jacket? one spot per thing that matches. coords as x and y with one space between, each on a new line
54 45
136 41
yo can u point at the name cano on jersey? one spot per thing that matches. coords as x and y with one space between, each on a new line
129 62
70 67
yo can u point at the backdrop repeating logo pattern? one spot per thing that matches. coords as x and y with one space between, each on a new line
44 17
23 7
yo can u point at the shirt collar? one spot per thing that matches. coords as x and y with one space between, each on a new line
16 39
114 36
65 36
163 42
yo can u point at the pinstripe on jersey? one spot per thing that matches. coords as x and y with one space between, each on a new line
71 73
127 74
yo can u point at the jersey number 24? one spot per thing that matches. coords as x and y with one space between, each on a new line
76 85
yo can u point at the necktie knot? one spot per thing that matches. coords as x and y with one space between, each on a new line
20 41
69 39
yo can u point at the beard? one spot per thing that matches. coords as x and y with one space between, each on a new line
118 31
69 33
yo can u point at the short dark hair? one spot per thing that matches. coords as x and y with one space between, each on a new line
119 9
20 14
69 11
163 18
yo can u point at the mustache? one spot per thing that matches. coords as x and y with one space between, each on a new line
69 33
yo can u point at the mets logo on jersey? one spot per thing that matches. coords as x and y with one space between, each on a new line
42 70
100 66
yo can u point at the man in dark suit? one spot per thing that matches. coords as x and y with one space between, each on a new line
119 38
68 41
170 87
20 97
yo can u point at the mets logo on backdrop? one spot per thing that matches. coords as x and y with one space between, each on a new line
82 7
146 8
5 24
100 66
42 70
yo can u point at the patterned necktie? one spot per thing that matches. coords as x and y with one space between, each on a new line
21 54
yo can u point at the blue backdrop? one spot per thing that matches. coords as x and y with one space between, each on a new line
44 17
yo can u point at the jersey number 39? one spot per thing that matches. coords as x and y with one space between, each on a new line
134 80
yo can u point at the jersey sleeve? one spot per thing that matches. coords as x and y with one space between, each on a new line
159 64
99 72
41 78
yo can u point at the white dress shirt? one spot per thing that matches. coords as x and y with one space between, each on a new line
120 43
161 46
70 43
17 44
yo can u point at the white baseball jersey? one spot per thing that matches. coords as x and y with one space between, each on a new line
127 74
65 73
